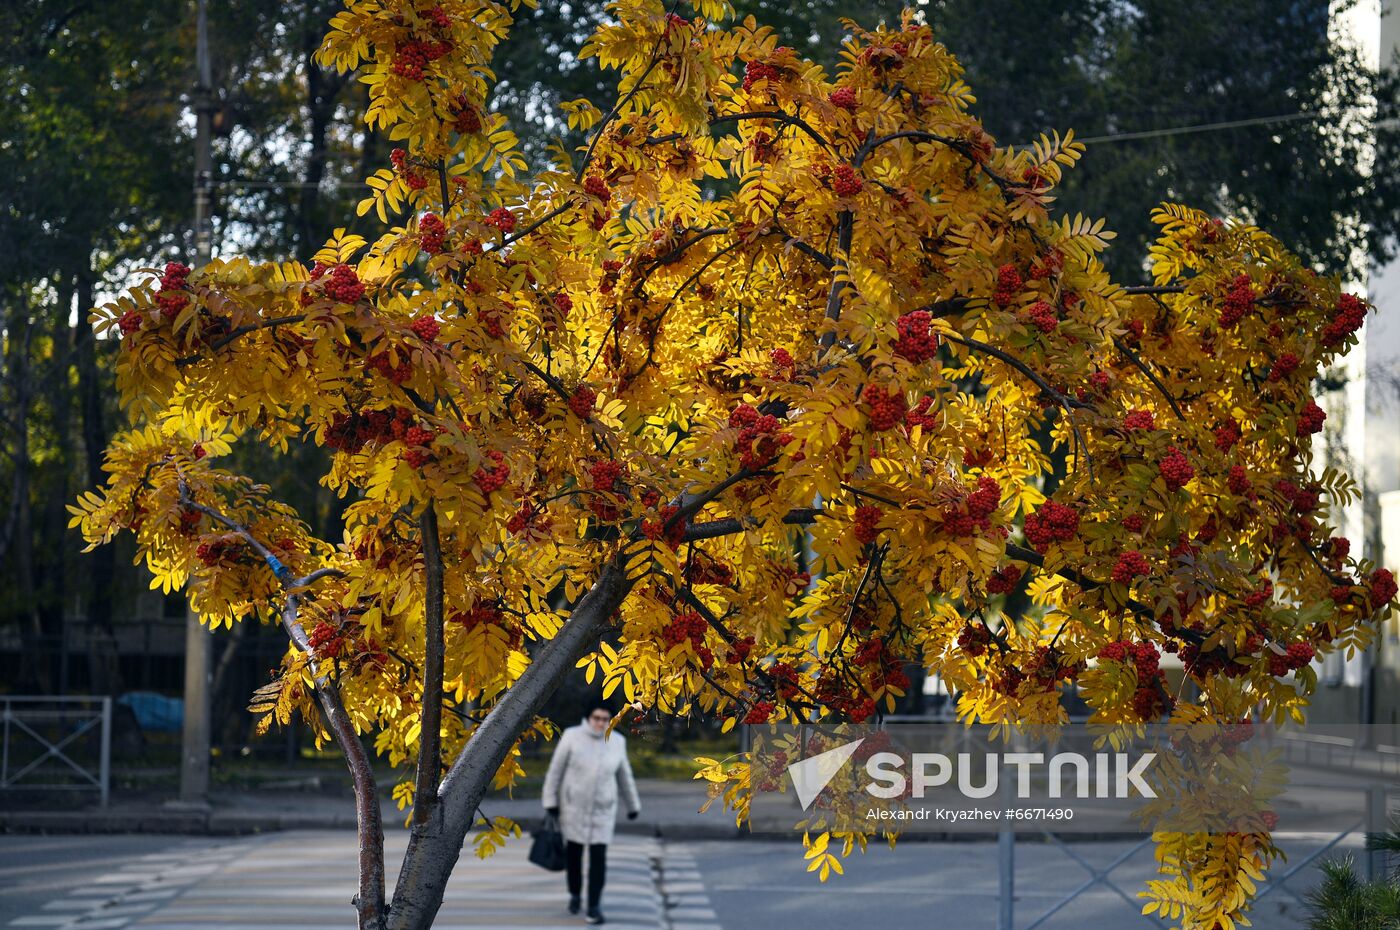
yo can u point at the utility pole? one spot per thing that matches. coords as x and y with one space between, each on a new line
194 743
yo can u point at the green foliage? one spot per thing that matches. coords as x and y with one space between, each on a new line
1343 901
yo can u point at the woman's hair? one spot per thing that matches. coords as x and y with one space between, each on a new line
597 704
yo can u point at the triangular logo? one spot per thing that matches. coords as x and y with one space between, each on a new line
810 776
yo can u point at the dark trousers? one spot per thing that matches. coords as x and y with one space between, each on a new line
597 869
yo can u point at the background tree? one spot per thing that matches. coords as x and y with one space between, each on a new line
296 153
611 398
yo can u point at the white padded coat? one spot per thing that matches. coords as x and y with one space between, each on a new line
584 778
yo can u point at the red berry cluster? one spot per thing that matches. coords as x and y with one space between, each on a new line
1260 595
353 431
866 523
1226 435
843 98
1131 564
1238 481
974 639
597 187
759 438
662 527
887 408
325 640
419 442
686 625
976 511
919 416
493 477
502 219
1175 469
1298 655
426 328
412 57
1008 283
1139 419
1053 522
1004 580
759 712
130 322
1383 588
1350 315
1283 366
1043 316
1009 683
466 119
1310 419
582 400
1301 500
1152 702
605 475
740 649
189 520
482 613
1048 265
439 17
415 179
433 233
755 71
522 519
782 360
707 570
845 182
490 320
396 373
689 626
1046 669
563 303
916 340
171 297
220 550
1238 301
342 284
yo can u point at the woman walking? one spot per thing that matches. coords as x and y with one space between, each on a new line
587 770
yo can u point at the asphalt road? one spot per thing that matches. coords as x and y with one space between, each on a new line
951 886
304 879
35 870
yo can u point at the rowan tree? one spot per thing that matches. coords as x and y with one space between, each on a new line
764 383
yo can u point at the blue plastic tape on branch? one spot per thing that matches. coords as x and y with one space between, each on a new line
281 571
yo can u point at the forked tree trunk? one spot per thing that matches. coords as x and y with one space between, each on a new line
433 847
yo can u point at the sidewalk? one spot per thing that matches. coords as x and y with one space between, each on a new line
669 809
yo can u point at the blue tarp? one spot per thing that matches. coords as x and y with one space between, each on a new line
155 712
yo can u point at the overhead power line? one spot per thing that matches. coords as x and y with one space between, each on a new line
1164 132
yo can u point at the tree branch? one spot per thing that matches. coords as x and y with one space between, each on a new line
430 707
369 901
1142 367
239 333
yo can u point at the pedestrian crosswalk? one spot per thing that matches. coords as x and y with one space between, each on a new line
683 892
306 879
142 886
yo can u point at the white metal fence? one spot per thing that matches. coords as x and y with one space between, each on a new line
46 744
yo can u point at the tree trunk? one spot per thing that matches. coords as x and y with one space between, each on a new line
104 664
37 674
433 847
